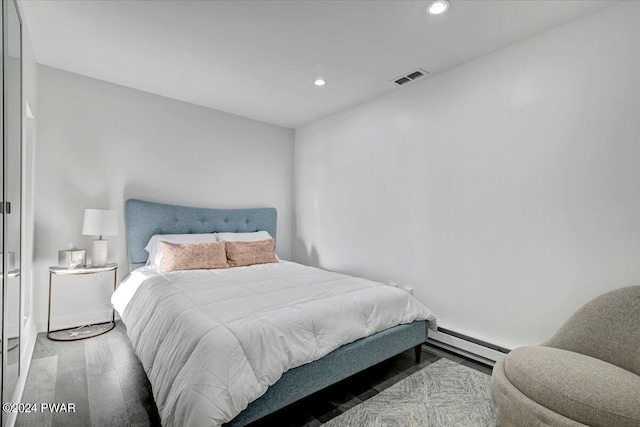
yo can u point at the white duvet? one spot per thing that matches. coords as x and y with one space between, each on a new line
212 341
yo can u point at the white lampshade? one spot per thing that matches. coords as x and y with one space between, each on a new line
100 222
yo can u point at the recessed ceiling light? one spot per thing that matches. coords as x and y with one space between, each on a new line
319 82
438 6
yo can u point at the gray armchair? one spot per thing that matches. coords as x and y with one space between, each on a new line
588 373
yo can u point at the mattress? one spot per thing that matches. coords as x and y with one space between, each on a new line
212 341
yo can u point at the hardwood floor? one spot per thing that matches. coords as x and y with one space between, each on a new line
100 375
108 385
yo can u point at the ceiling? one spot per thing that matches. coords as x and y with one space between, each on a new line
259 59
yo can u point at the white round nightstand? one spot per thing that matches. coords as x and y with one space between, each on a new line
74 333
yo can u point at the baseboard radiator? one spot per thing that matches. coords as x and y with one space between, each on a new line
467 346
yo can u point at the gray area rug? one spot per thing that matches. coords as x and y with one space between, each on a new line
442 394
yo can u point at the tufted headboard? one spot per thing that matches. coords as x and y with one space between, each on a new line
145 219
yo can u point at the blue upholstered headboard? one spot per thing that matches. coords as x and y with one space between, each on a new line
145 219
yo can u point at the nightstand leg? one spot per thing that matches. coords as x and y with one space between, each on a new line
49 309
115 279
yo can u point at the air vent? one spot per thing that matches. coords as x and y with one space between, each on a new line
407 78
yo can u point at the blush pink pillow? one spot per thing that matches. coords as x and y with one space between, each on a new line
249 253
193 256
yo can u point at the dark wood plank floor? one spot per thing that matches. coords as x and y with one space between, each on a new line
108 385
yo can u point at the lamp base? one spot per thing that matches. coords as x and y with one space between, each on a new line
99 250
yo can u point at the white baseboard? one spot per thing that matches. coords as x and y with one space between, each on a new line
488 353
63 322
30 334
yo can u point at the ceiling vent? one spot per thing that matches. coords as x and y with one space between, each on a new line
408 78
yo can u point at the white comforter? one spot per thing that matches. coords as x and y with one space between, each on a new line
212 341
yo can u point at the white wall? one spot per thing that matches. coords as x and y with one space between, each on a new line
100 144
506 191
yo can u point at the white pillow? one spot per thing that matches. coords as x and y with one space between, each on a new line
155 253
244 237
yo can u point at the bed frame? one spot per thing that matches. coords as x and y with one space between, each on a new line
145 219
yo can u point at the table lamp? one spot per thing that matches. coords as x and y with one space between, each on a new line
99 222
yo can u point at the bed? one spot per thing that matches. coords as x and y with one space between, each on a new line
242 400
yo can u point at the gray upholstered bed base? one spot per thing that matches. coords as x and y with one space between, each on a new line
335 366
144 219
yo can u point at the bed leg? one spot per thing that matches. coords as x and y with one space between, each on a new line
418 351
